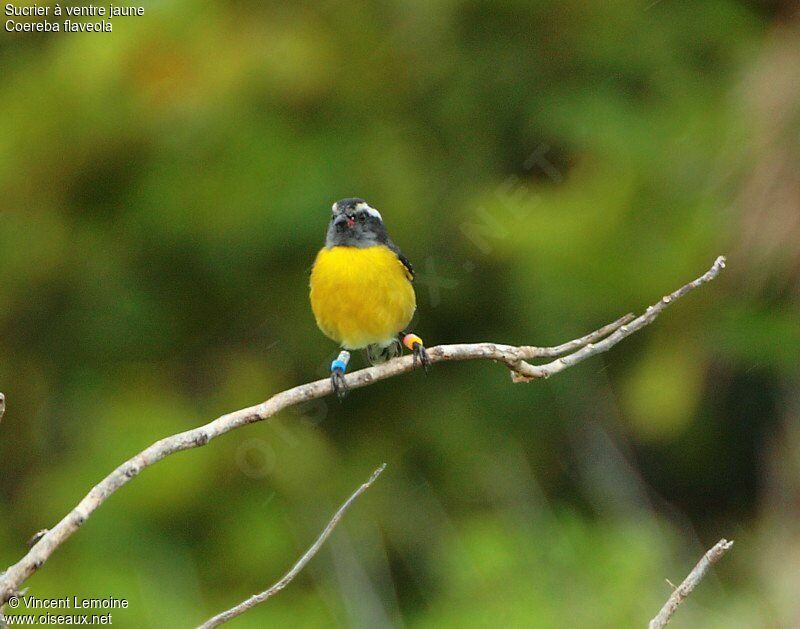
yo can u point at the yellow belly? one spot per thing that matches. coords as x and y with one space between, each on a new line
361 296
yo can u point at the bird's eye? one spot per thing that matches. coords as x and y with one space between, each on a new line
362 217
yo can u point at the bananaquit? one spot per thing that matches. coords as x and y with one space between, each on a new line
361 290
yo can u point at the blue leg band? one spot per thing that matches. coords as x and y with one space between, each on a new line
340 364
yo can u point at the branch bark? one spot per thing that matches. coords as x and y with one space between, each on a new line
254 600
690 583
515 358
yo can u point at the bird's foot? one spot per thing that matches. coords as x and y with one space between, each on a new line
338 367
414 343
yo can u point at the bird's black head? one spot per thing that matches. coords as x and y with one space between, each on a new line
354 223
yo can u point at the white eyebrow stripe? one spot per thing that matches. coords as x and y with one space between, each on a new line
369 210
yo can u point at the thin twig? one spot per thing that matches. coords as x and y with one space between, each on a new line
690 583
515 358
254 600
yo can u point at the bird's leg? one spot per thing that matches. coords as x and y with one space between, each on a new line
338 367
414 343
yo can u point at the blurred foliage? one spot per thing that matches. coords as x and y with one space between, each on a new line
547 167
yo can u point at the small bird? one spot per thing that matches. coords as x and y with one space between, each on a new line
361 290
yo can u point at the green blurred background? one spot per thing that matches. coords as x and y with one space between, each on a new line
547 167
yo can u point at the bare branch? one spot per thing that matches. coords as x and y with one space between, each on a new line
515 358
523 371
690 583
254 600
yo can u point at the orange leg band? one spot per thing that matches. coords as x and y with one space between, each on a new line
409 340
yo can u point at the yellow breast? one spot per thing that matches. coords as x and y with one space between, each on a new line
361 296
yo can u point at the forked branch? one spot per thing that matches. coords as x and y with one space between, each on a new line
515 358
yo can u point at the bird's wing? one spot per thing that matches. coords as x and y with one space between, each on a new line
402 258
407 264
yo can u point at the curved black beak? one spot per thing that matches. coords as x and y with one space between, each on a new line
344 220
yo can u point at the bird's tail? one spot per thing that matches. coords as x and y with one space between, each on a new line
378 354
